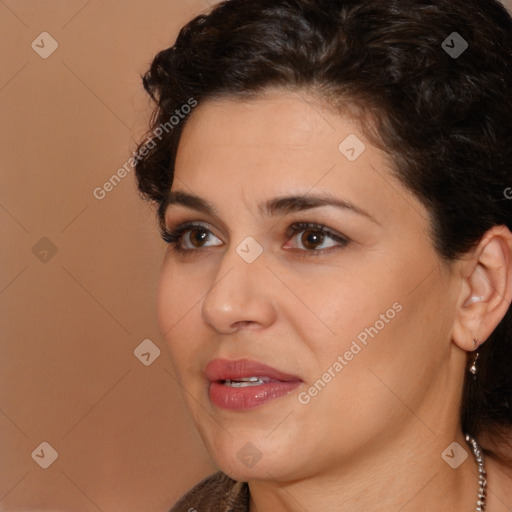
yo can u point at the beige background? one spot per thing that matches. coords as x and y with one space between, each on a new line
72 320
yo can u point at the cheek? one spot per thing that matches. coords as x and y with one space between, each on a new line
389 358
178 297
166 302
362 371
177 293
374 319
345 306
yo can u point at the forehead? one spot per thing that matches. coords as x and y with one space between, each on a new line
276 118
235 150
282 132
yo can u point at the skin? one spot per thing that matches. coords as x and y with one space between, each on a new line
372 438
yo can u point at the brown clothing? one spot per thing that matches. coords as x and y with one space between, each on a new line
215 493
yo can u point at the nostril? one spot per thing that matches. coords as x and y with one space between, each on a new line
242 323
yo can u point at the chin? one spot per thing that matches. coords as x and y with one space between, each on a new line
260 459
261 470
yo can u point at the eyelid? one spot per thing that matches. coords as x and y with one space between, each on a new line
174 235
172 231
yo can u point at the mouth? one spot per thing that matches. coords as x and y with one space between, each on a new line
245 384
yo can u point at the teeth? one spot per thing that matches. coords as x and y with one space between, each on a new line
246 381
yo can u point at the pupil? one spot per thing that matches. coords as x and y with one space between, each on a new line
199 238
315 237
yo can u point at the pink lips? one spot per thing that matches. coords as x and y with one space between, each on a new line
273 383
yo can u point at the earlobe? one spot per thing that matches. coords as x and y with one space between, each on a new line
486 293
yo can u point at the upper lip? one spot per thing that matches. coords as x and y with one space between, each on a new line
223 369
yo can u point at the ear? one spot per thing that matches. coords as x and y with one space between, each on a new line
486 291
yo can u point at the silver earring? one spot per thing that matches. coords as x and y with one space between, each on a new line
473 368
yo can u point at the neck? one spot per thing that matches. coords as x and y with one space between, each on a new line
407 475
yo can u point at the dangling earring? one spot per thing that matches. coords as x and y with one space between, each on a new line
473 368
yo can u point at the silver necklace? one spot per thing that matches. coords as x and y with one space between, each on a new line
482 474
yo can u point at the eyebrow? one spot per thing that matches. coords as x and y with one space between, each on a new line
272 207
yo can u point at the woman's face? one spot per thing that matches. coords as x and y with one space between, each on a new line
355 321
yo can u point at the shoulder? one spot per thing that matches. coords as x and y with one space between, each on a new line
218 493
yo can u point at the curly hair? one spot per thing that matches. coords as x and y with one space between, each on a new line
444 118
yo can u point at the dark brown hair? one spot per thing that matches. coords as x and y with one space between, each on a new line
444 118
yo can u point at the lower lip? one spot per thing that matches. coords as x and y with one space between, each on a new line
248 397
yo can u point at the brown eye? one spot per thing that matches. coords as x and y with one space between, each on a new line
311 238
198 236
188 237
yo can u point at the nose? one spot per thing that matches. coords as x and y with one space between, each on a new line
240 295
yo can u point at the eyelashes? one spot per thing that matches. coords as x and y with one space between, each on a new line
175 237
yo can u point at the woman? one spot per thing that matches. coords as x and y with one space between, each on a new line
331 179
